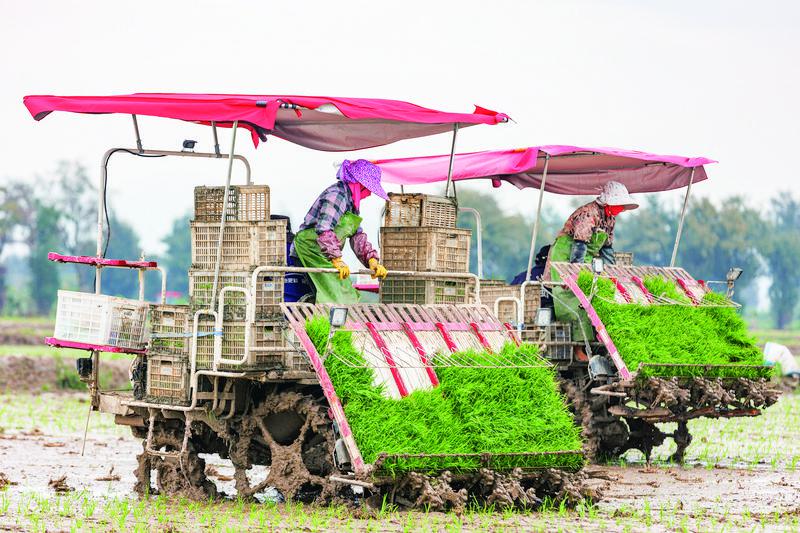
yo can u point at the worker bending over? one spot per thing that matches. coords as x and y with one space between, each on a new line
332 220
588 233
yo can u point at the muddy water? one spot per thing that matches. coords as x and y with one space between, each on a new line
33 460
757 491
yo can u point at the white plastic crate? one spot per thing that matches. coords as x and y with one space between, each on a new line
268 293
245 244
262 335
100 319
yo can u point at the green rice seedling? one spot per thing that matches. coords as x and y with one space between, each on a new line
712 337
5 503
473 411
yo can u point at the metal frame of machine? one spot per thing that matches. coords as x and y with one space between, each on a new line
400 337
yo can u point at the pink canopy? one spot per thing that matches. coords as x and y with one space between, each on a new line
572 169
318 122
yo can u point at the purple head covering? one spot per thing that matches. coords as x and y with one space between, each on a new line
363 172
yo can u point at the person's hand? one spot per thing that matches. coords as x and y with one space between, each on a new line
378 270
341 266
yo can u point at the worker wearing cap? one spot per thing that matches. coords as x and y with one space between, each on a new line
332 220
588 233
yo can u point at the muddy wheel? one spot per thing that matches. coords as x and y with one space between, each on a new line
682 438
605 437
292 434
178 476
504 490
644 436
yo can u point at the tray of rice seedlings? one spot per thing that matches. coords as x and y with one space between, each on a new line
477 417
673 337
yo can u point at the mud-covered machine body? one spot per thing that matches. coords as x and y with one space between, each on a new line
618 406
235 372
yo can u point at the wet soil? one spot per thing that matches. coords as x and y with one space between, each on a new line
35 374
17 332
35 462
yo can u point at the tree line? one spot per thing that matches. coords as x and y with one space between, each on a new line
716 236
59 213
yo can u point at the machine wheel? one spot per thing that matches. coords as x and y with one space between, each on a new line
605 437
292 434
682 438
183 476
644 436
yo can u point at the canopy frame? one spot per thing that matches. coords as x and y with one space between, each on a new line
680 222
537 220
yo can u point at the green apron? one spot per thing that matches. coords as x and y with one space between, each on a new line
330 289
566 304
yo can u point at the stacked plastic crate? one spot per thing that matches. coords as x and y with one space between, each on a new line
420 235
250 240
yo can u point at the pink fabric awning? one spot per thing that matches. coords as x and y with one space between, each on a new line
318 122
572 169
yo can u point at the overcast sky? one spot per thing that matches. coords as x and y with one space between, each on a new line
712 78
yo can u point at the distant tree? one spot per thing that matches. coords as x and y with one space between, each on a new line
74 189
714 238
179 255
781 250
45 237
17 211
718 238
648 232
124 244
506 236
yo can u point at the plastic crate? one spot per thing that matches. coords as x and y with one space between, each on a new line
262 335
491 291
507 310
208 203
253 205
167 379
246 203
170 329
425 291
268 293
403 210
244 245
426 249
623 258
100 319
555 340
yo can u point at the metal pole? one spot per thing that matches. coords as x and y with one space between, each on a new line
452 158
479 236
216 139
224 216
538 218
680 222
138 137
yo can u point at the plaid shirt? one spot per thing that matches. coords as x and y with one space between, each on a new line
325 214
328 208
586 221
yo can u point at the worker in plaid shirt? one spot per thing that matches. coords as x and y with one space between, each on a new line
333 219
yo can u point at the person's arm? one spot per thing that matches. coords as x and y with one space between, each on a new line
363 248
331 209
583 224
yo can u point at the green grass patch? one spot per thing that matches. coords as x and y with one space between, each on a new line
709 340
43 350
55 414
473 411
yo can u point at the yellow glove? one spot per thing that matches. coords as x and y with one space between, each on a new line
378 270
341 266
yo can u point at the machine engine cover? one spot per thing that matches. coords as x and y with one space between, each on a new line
601 367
